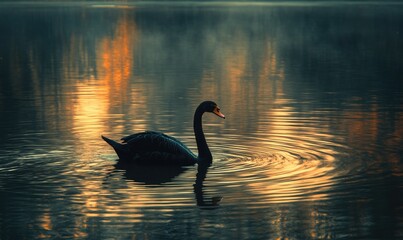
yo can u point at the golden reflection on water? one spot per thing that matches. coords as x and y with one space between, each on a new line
115 60
45 221
363 127
277 127
96 96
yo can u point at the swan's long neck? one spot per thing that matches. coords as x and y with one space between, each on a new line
202 147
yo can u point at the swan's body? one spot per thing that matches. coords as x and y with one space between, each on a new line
155 148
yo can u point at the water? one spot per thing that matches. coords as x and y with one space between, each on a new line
310 148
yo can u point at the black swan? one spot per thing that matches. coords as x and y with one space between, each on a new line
155 148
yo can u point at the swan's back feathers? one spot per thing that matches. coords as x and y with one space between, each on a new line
154 147
162 140
151 141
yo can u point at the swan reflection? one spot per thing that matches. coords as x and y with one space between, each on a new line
198 189
149 174
156 175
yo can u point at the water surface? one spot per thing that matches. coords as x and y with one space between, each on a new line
310 148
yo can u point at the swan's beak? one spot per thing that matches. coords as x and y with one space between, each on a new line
217 112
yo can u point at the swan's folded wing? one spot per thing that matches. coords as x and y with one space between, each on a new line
156 142
137 135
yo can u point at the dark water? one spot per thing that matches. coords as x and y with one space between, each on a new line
311 147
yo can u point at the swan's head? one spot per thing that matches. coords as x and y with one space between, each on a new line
209 106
